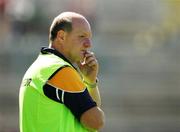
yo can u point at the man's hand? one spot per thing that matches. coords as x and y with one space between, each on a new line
89 68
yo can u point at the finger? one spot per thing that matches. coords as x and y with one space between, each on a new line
89 54
89 59
83 62
92 64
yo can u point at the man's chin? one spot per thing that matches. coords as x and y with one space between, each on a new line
79 60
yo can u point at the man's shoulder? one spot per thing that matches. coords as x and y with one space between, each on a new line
67 78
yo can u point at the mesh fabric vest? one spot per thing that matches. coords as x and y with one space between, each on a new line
38 113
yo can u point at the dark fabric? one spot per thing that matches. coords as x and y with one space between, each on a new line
50 92
78 102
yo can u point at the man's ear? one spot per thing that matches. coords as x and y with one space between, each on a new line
61 35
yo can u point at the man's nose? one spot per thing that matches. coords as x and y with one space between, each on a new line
88 43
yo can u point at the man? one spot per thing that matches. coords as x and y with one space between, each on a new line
59 91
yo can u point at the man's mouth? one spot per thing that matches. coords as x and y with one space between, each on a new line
83 52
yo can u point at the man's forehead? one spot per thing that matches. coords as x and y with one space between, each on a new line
79 23
79 20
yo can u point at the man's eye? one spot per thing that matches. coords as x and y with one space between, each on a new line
81 36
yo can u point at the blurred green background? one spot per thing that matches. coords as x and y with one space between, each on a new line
137 43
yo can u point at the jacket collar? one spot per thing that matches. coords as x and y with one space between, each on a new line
46 50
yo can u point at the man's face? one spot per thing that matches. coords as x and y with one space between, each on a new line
78 41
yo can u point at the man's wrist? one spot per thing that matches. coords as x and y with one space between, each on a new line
91 85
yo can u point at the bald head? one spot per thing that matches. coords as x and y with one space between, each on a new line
63 22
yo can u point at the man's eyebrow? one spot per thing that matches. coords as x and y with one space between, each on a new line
87 34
